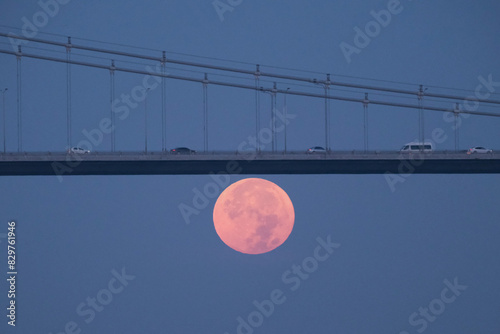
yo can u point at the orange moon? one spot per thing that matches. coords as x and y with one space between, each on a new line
253 216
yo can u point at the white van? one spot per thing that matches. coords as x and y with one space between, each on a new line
415 147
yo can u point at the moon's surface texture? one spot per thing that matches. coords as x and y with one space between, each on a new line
253 216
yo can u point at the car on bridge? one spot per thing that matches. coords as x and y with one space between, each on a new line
316 149
182 150
77 150
478 149
415 147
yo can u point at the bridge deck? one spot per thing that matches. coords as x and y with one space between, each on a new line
157 163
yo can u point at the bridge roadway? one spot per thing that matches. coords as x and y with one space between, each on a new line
157 163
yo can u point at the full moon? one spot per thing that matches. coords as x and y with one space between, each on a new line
253 216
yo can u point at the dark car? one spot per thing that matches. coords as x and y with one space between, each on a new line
77 150
182 150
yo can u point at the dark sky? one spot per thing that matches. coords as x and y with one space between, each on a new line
105 254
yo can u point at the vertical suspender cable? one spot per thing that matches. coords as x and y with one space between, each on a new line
272 123
365 121
273 116
146 120
3 119
163 102
421 134
205 114
327 113
285 107
19 109
112 98
68 91
456 127
257 108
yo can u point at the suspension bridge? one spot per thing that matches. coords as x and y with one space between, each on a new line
253 160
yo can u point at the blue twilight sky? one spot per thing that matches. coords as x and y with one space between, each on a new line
421 256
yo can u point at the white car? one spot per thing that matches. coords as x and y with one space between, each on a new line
316 149
416 147
479 149
78 150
